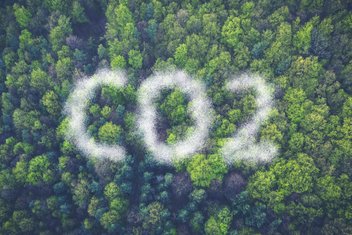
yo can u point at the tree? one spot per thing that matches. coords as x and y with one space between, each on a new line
174 108
24 222
153 216
204 169
297 104
283 179
51 103
20 171
232 31
26 120
81 193
64 68
57 5
121 32
109 220
112 191
23 16
296 142
105 111
321 39
272 133
302 40
302 48
118 62
40 80
225 129
196 47
181 55
59 33
78 14
220 223
328 189
210 28
278 55
110 133
117 25
347 108
197 222
279 16
304 73
135 59
40 170
242 55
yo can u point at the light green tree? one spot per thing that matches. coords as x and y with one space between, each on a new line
204 169
40 170
110 133
231 31
135 59
219 223
23 16
59 33
51 102
284 178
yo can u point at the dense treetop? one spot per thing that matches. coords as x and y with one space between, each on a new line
302 48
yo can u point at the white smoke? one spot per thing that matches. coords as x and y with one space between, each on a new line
243 146
76 106
200 110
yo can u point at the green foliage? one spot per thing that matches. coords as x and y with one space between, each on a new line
59 33
297 104
232 31
63 68
105 112
40 80
304 74
23 16
272 133
40 170
153 216
111 191
302 40
135 59
278 54
20 171
328 189
26 120
110 133
197 221
51 103
204 169
174 108
118 62
220 223
181 55
57 5
78 14
347 108
284 178
109 220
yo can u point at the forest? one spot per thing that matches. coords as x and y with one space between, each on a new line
301 48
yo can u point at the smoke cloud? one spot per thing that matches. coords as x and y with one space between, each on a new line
75 109
200 109
242 147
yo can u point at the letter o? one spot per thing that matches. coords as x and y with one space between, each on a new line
200 109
